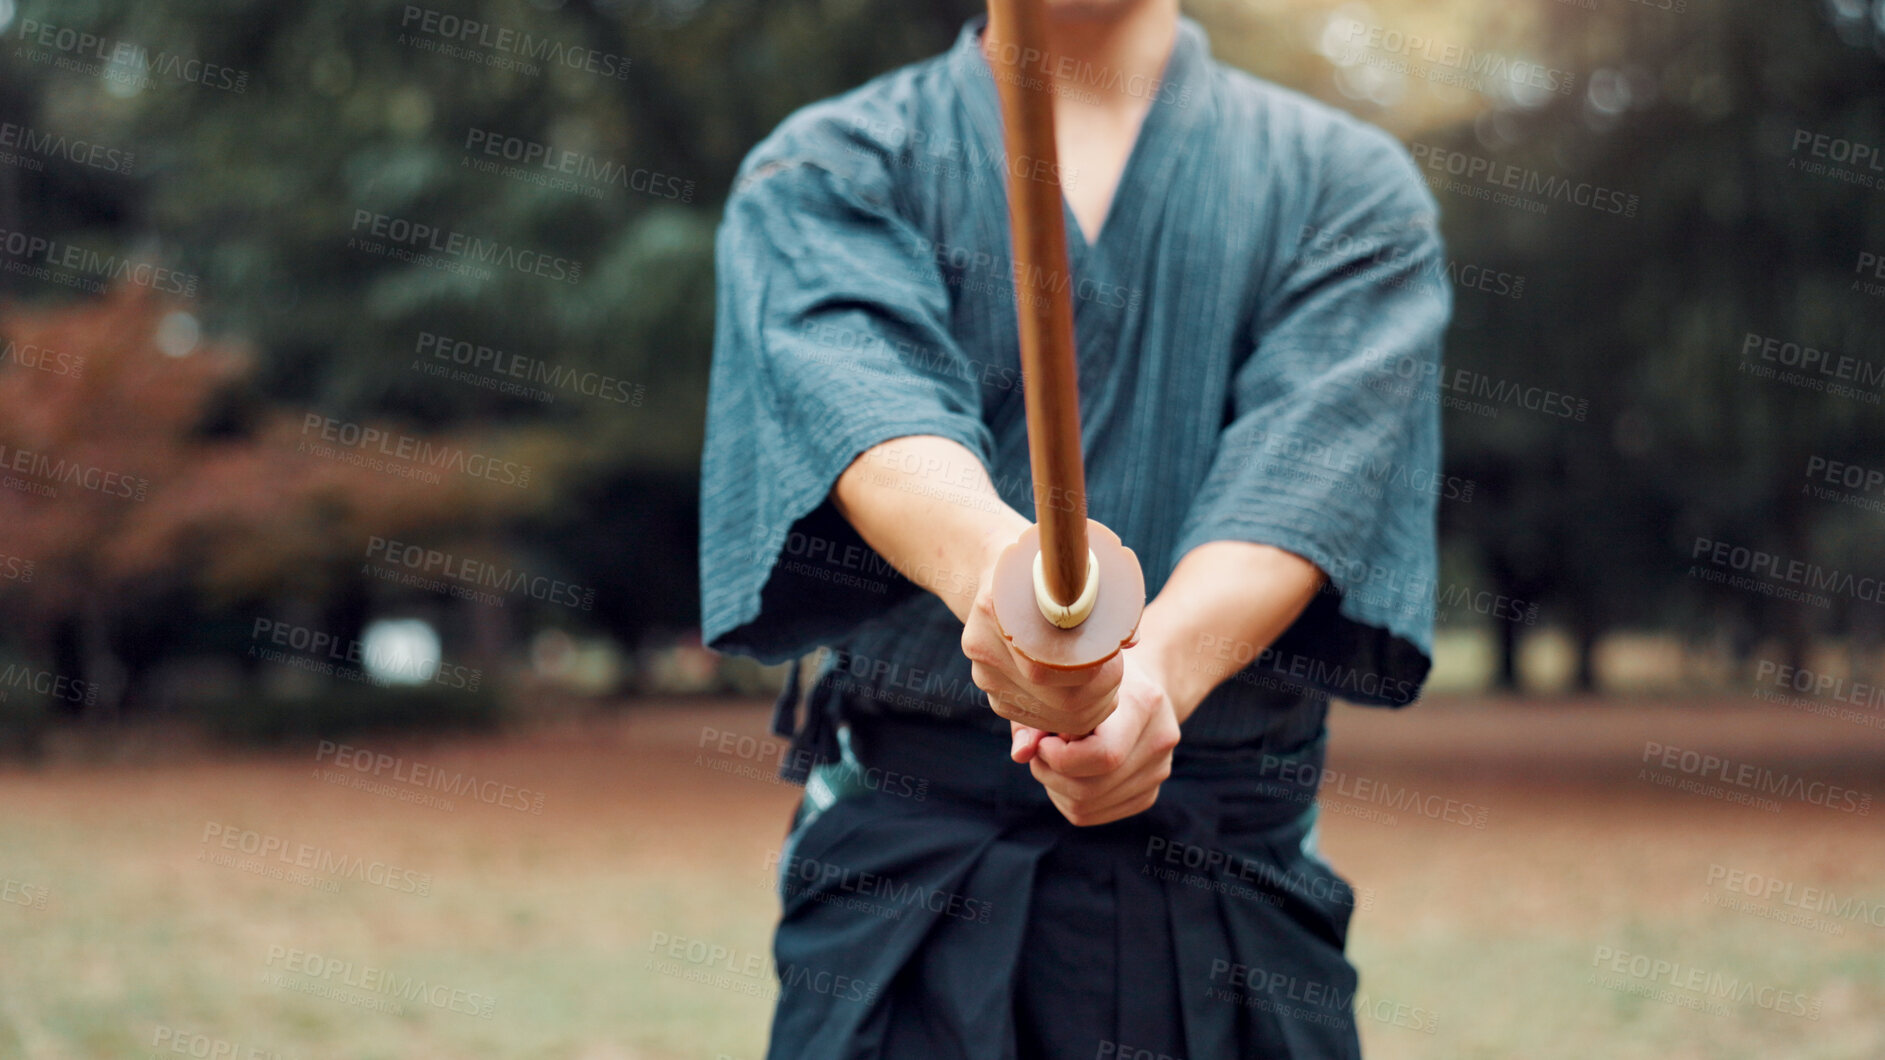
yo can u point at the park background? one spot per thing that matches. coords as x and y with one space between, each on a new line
211 599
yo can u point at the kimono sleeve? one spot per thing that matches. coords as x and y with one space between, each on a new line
830 337
1332 450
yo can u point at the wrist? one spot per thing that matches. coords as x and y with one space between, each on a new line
973 562
997 534
1165 666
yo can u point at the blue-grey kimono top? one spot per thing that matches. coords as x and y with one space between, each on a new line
1258 326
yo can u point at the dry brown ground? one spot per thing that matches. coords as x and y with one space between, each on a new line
1491 932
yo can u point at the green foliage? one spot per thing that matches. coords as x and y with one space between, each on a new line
355 117
1646 316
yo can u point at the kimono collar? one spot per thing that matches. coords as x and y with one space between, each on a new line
1179 98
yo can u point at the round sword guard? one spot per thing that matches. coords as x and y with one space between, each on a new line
1113 579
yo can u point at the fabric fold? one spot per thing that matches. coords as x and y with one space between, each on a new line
921 881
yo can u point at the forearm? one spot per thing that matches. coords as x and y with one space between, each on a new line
926 504
1223 592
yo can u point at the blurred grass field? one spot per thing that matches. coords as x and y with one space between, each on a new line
643 834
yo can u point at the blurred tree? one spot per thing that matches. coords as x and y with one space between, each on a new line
141 480
1695 114
279 186
599 135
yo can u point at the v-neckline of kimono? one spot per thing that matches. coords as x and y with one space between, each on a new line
1076 232
1183 66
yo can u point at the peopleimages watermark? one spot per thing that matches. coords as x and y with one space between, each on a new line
490 368
348 658
435 247
1305 781
914 689
1423 598
1766 357
415 457
1287 670
16 569
1658 979
1509 184
1845 483
171 1040
1405 376
429 562
121 61
39 474
35 357
488 151
1356 252
741 755
358 762
1824 694
1446 63
751 973
1801 906
869 892
748 757
70 265
380 989
1224 872
1874 264
1058 68
1847 161
1308 1000
501 47
1287 455
1746 779
18 676
16 892
872 352
839 562
833 562
25 147
1775 575
274 854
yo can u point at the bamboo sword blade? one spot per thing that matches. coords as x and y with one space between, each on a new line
1068 594
1044 305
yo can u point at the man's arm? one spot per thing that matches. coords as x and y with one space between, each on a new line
926 504
1223 592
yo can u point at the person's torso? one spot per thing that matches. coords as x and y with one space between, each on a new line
1169 299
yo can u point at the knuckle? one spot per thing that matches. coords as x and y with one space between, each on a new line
1058 701
1024 710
